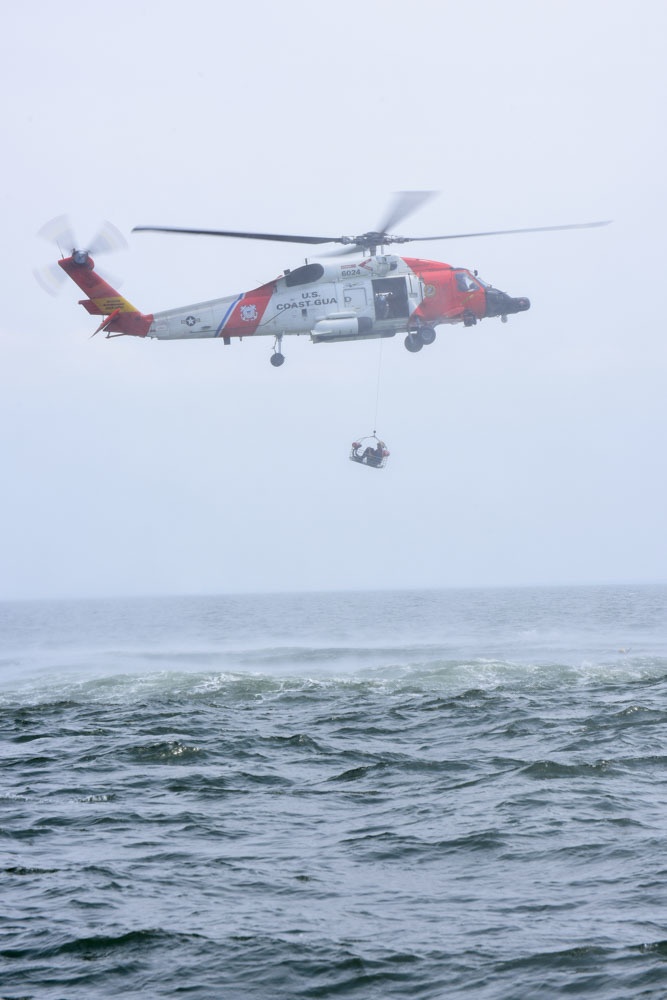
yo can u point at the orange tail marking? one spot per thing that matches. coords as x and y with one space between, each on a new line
103 300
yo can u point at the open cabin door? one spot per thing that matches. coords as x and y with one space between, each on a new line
390 297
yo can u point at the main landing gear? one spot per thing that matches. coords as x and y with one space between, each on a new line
421 337
277 359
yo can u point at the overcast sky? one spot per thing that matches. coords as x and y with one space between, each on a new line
531 452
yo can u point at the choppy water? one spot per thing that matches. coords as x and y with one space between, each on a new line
423 795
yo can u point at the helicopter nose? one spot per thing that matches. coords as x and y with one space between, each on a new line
501 304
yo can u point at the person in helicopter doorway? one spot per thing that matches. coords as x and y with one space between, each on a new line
384 305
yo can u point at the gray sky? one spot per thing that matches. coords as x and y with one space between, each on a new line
530 452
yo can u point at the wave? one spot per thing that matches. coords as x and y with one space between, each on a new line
274 672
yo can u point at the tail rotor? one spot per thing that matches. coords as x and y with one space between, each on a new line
59 231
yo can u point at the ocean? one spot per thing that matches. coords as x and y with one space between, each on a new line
424 795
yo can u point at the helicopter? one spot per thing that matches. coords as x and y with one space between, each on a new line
375 295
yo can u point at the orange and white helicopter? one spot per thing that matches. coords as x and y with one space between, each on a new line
375 295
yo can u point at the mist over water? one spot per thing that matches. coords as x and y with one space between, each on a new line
418 794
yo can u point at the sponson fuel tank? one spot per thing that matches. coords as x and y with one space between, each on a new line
342 326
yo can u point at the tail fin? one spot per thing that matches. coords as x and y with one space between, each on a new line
121 317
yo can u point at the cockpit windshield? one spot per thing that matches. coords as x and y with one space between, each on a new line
466 283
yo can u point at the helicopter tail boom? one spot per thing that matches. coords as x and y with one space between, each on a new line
121 318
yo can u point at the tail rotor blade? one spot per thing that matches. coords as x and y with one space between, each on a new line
59 231
107 240
50 278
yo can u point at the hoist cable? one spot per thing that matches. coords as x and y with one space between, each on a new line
377 391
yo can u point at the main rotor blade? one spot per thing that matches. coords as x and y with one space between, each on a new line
504 232
278 237
344 251
405 203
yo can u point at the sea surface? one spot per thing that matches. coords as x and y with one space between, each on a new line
420 795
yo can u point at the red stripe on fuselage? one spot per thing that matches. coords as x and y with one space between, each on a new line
248 312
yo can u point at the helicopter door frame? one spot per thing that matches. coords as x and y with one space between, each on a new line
391 297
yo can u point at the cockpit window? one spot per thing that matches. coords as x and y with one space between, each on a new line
465 282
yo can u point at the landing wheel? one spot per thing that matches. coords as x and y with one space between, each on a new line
413 343
427 334
277 359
